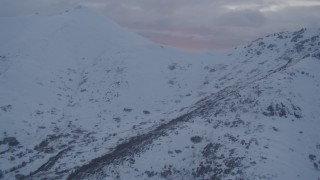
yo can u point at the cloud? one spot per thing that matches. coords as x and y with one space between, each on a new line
243 18
191 24
293 18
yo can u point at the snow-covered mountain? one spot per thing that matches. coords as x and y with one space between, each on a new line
82 98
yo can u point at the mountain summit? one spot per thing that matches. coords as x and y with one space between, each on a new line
83 98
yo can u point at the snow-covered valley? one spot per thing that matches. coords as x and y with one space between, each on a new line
83 98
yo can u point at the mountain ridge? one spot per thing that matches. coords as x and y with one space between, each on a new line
81 99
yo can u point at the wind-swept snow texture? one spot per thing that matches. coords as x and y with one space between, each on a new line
83 98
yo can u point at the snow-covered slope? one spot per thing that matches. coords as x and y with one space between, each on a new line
82 98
